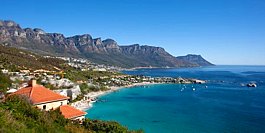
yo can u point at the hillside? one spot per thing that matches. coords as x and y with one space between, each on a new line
18 116
103 52
196 59
16 59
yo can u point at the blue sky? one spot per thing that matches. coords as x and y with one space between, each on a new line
222 31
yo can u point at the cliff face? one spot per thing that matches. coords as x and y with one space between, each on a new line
196 59
106 51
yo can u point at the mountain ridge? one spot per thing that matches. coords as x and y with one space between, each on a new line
196 59
95 49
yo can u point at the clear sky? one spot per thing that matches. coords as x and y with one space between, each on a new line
222 31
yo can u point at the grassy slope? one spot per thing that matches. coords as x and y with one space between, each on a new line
13 59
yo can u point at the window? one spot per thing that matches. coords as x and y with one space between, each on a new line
44 107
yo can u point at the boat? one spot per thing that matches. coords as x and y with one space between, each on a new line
252 85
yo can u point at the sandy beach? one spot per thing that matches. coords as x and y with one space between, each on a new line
86 104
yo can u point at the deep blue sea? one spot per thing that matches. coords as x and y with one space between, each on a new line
224 106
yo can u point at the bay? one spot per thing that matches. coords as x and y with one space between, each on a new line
221 105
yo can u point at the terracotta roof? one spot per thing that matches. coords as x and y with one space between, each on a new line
39 94
71 112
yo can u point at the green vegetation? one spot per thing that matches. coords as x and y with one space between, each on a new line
78 98
85 88
17 115
106 127
77 75
16 59
5 82
96 77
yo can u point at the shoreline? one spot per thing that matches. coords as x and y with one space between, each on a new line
137 68
85 105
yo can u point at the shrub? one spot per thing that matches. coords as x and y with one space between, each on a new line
17 115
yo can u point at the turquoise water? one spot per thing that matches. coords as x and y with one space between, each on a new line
224 106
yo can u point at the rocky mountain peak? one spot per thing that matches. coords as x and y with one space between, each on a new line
56 35
111 46
97 41
86 36
28 30
80 40
193 55
196 59
39 31
107 51
135 45
8 23
110 43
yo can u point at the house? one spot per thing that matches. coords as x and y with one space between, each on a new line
24 71
46 99
42 97
99 70
72 113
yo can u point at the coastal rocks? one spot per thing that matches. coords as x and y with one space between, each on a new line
190 81
197 81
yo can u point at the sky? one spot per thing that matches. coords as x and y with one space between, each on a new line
227 32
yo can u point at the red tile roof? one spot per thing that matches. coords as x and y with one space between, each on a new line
71 112
39 94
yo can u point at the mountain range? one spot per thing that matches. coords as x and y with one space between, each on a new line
100 51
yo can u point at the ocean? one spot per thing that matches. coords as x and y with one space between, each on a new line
222 105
